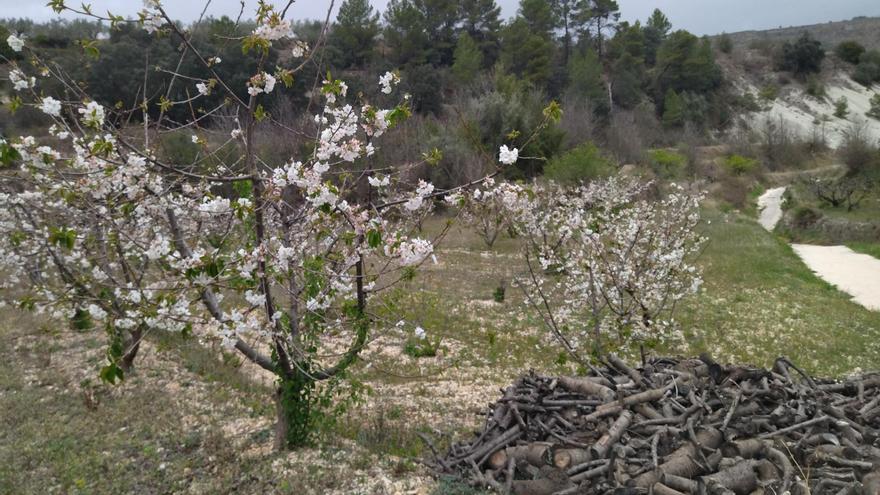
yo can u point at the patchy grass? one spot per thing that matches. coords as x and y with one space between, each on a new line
192 420
760 301
872 249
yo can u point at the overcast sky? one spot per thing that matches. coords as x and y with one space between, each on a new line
698 16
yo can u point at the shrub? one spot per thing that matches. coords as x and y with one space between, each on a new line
849 51
769 92
417 347
581 164
858 151
805 217
725 44
874 112
866 73
734 190
841 108
740 165
667 163
802 57
816 88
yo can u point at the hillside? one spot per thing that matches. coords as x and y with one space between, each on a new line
865 30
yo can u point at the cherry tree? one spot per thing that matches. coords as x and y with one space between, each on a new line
607 265
102 231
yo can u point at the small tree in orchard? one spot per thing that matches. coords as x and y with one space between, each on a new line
606 266
282 271
488 211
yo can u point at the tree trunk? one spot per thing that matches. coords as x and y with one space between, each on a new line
133 344
294 415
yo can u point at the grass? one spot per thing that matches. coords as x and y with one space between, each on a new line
860 226
872 249
190 421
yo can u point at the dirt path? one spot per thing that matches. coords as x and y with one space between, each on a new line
770 205
856 274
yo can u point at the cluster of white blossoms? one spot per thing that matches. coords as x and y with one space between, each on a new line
261 83
387 82
15 43
51 106
508 156
300 48
21 82
92 114
150 17
615 261
487 210
274 29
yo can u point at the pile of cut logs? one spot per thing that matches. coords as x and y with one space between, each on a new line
671 427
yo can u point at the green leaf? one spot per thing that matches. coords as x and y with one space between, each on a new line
374 238
260 113
111 373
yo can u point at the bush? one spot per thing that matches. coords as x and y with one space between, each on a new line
858 152
668 164
816 88
841 108
580 164
725 44
740 165
803 56
734 191
769 92
849 51
805 217
874 112
866 73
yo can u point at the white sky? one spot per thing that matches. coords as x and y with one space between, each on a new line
698 16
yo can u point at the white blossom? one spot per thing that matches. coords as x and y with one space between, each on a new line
508 156
51 106
387 80
15 43
92 114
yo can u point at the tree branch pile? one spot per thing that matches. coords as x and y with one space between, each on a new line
675 427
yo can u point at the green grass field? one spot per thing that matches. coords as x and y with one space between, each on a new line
191 421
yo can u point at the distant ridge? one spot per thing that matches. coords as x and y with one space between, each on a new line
865 30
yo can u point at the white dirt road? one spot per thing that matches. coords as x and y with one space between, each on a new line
770 205
854 273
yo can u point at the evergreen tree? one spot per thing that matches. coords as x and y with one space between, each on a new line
802 57
598 17
481 20
569 18
538 16
656 30
673 110
527 54
686 63
352 38
585 78
405 33
468 59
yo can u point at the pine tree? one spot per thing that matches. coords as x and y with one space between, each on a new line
656 30
526 54
673 110
352 38
405 33
468 60
481 20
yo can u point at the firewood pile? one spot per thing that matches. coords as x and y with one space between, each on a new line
675 427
